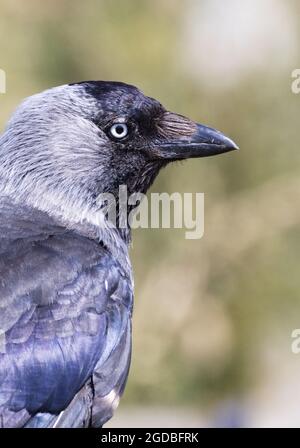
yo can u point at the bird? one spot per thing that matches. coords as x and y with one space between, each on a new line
66 282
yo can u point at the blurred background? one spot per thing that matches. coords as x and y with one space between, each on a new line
213 317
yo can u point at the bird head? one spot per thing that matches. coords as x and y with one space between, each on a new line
65 146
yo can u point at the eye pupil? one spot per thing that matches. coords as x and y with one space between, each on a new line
119 130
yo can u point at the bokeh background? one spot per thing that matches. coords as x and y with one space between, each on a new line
213 317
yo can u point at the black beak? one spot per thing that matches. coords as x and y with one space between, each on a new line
203 142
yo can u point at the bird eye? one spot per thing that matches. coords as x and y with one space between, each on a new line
119 130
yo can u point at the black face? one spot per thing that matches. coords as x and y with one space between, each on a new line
144 136
130 118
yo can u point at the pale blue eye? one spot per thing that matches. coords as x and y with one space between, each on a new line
119 130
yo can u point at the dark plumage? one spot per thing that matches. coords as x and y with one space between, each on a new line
66 291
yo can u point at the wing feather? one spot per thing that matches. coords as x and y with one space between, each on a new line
65 311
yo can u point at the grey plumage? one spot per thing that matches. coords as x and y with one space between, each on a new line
66 288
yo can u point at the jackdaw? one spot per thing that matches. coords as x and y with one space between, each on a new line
66 287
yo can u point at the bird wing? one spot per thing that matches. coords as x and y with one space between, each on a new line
65 335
